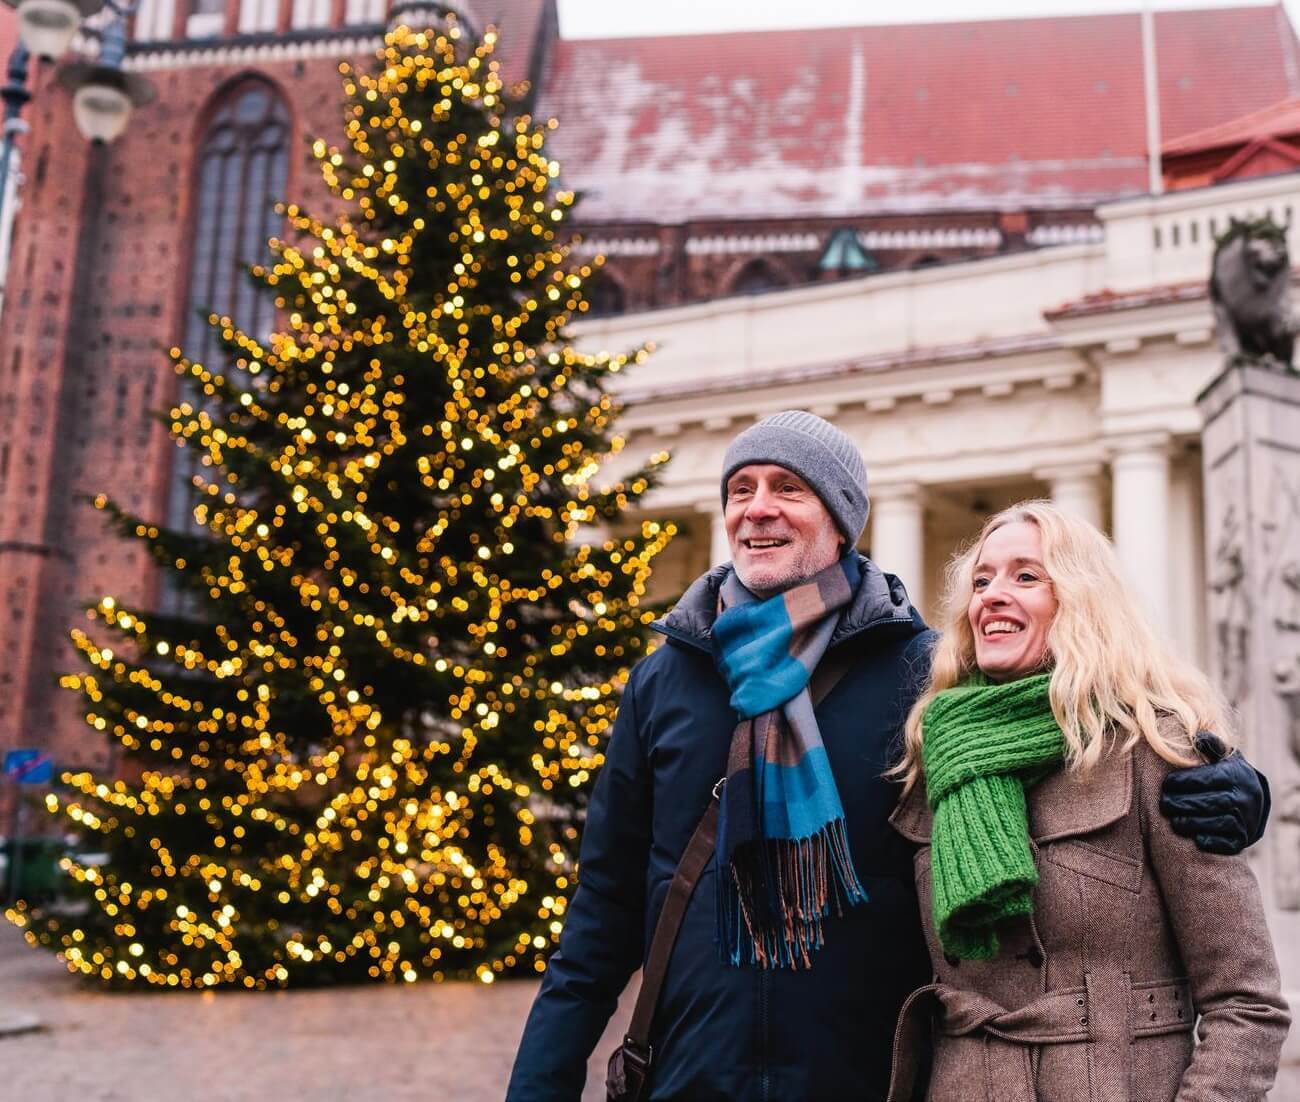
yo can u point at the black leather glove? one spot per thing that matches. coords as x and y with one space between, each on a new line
1223 806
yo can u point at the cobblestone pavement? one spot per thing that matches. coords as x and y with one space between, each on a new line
431 1042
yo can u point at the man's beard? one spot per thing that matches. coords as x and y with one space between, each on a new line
811 560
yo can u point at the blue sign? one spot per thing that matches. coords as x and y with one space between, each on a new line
29 766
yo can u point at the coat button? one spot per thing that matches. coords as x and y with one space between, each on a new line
1034 957
952 961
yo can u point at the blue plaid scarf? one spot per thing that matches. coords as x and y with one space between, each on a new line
782 852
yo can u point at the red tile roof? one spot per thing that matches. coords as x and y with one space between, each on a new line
998 114
520 23
1275 121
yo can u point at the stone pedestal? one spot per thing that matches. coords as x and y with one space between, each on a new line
1251 455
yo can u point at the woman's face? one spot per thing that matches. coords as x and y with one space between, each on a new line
1012 603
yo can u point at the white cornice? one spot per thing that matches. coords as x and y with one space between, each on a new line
617 246
1174 202
150 56
1124 330
753 243
932 237
880 385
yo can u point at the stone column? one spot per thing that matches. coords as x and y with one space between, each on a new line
897 534
1187 560
1140 520
1251 461
1076 489
719 547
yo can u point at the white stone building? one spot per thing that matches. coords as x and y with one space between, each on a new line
1068 372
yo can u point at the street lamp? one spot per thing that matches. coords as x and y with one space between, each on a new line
46 27
103 94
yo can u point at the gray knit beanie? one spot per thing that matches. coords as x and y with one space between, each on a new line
817 452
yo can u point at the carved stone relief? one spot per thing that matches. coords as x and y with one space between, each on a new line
1230 611
1251 448
1280 536
1281 532
1287 810
1288 615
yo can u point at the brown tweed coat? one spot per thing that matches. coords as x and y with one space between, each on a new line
1136 934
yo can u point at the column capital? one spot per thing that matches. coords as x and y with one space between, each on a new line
889 492
1076 489
1068 472
1123 445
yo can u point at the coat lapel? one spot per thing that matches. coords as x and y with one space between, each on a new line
912 818
1067 802
1063 804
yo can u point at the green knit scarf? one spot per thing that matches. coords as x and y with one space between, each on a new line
983 743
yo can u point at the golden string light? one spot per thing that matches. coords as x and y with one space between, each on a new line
358 748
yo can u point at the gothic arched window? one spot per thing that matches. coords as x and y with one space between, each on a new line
243 161
758 276
240 173
605 296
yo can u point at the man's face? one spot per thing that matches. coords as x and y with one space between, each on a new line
779 531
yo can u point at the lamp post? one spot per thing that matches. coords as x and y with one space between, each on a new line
46 27
15 96
102 93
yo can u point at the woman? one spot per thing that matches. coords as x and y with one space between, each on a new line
1075 939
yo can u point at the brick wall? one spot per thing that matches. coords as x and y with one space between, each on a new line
99 281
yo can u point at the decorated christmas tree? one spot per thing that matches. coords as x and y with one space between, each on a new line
358 744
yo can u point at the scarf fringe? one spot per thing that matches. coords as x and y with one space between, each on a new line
771 908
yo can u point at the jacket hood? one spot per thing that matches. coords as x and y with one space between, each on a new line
880 598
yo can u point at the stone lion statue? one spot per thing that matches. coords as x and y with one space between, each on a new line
1250 289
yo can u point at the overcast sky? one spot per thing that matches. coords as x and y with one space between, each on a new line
606 18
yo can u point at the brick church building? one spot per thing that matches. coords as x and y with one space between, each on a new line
710 166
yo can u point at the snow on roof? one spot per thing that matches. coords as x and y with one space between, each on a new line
843 121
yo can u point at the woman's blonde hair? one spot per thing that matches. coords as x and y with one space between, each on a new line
1111 676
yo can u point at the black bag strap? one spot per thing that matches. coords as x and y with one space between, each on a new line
699 851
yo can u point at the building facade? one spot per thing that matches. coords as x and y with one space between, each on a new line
926 209
1069 373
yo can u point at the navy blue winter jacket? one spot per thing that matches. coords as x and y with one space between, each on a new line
739 1034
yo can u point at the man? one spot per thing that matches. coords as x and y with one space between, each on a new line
802 938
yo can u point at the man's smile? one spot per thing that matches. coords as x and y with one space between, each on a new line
764 543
